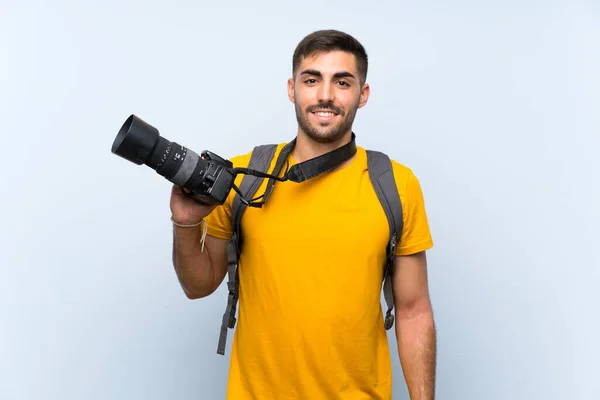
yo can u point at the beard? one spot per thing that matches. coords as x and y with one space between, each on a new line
325 132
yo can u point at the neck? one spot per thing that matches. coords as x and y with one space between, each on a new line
307 148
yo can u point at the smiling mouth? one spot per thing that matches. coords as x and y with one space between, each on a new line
324 113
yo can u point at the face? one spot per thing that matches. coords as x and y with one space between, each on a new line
326 92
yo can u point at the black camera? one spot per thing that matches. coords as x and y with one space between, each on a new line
206 176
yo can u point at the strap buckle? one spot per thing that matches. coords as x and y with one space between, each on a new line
393 244
389 322
229 315
229 320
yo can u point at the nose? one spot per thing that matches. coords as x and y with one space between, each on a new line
326 93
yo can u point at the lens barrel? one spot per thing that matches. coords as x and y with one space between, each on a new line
141 143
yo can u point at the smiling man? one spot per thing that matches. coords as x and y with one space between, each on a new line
310 271
330 121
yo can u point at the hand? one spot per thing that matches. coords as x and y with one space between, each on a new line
186 210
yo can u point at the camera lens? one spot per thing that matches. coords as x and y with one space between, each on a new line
141 143
135 140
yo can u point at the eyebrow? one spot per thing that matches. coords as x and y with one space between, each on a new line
343 74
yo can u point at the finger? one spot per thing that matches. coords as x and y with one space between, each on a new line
179 189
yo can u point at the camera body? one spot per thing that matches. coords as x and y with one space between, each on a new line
206 176
215 183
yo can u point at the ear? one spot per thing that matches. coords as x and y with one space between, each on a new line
365 92
290 89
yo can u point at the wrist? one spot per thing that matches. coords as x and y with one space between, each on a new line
194 225
186 224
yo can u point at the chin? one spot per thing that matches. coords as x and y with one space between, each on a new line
324 137
322 133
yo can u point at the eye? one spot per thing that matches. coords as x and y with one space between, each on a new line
310 81
344 83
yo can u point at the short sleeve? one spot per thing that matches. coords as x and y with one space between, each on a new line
219 221
416 235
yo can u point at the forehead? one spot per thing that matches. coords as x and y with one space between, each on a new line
330 62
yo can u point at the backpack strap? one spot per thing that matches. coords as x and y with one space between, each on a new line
259 160
382 178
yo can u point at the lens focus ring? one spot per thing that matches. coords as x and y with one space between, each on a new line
186 169
171 160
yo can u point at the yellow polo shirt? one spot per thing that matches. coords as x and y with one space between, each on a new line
310 323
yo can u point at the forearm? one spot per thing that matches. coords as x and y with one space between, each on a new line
416 335
192 262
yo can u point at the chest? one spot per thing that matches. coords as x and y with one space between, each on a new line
322 216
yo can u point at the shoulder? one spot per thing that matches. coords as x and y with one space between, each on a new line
243 160
407 183
403 174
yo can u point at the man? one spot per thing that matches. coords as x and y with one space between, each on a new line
310 320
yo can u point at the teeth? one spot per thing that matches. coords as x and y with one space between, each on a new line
325 114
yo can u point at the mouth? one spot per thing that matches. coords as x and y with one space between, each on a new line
325 113
324 116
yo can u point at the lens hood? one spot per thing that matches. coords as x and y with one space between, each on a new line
135 140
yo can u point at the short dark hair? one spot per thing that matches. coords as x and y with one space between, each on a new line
328 40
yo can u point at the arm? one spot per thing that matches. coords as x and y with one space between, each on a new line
415 327
200 271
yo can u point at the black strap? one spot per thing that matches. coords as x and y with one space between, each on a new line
323 163
297 173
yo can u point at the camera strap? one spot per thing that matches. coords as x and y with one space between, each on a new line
299 172
319 165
